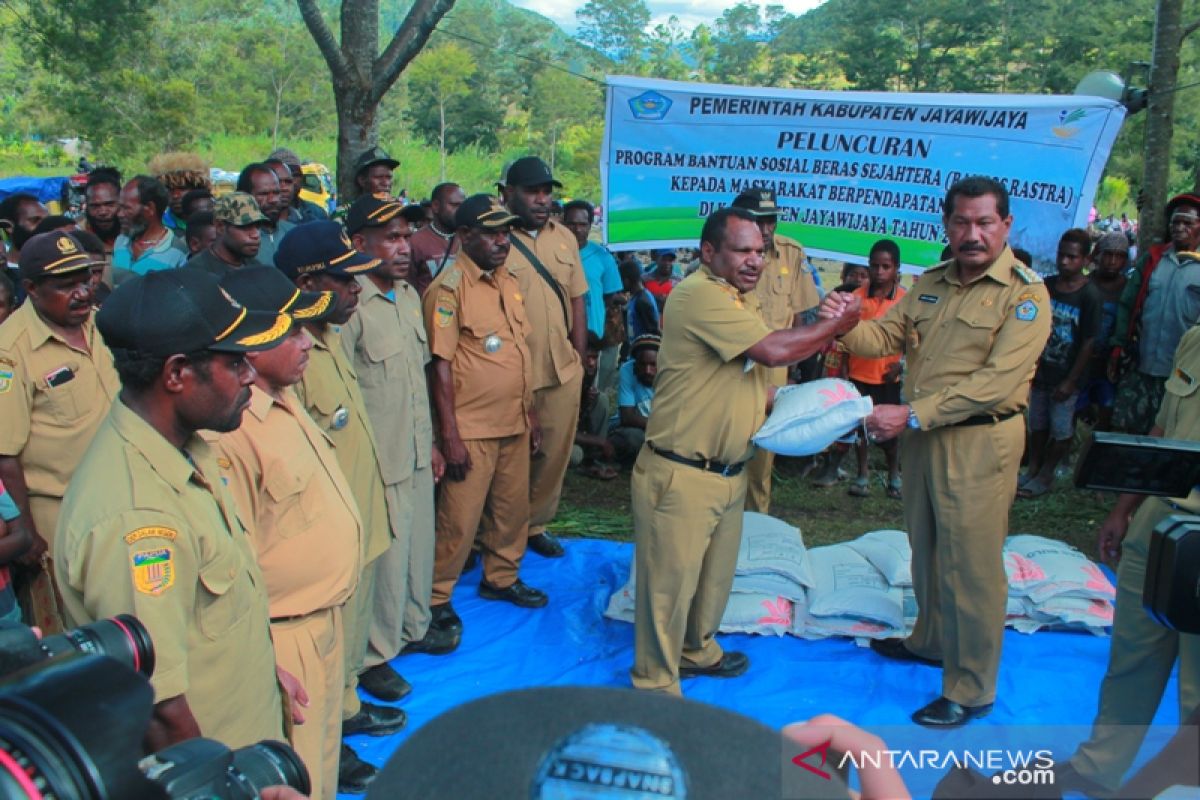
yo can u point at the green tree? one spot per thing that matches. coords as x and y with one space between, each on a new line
438 77
558 101
616 28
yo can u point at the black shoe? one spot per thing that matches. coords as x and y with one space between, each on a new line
546 545
518 594
374 720
943 713
896 650
385 683
436 642
354 774
731 665
443 618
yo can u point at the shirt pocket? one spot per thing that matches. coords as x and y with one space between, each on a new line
377 351
69 402
974 331
295 507
222 603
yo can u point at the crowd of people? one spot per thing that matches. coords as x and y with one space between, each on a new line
278 439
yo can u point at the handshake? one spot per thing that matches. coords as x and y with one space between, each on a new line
843 308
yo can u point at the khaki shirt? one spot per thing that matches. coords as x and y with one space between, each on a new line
555 359
706 404
1179 414
302 517
386 340
970 349
49 427
150 530
493 392
329 392
786 288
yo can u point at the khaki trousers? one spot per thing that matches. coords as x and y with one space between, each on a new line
758 471
493 499
959 484
557 410
687 526
1140 661
404 573
356 621
310 648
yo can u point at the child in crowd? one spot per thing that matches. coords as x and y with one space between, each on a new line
1077 310
1108 275
12 545
879 378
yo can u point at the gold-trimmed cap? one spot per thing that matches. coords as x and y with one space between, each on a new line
483 211
262 288
52 253
317 247
372 210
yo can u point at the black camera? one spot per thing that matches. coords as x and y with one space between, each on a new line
74 714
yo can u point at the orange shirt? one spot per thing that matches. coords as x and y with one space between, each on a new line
871 370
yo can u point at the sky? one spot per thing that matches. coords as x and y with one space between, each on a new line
690 12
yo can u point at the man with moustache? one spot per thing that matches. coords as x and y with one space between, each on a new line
236 220
102 198
972 329
711 393
544 258
300 210
303 520
477 326
319 257
144 245
20 214
147 526
386 342
261 182
56 385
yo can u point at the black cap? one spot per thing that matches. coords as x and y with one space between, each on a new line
52 253
529 171
483 211
543 743
376 155
320 246
263 288
173 311
759 201
372 210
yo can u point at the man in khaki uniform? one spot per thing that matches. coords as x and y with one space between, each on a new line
972 329
57 383
477 327
147 526
318 257
1143 652
689 483
785 292
386 340
303 521
558 334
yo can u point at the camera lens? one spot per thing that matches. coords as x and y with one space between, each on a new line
269 764
122 638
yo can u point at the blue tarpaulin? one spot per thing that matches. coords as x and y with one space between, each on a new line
1049 682
46 190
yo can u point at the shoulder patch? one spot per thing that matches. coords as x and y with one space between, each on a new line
443 313
1026 311
453 279
1026 274
153 570
6 378
151 532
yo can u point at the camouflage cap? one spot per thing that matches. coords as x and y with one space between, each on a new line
238 209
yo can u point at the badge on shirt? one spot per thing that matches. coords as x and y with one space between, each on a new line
1027 311
784 271
492 343
929 298
153 570
444 315
151 532
341 417
6 379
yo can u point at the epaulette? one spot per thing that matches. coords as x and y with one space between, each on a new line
782 241
940 265
1026 274
452 279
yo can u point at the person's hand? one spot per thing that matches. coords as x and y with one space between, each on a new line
607 451
878 783
535 433
35 554
458 460
1110 536
891 373
1064 390
295 692
887 422
281 793
833 305
851 313
437 464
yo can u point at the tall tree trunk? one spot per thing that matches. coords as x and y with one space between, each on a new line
442 134
358 131
1160 113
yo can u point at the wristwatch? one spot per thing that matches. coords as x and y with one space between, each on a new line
913 422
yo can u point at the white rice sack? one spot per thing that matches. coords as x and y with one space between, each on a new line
909 608
1041 568
1071 612
768 583
889 552
809 627
808 417
622 601
847 585
757 613
771 546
